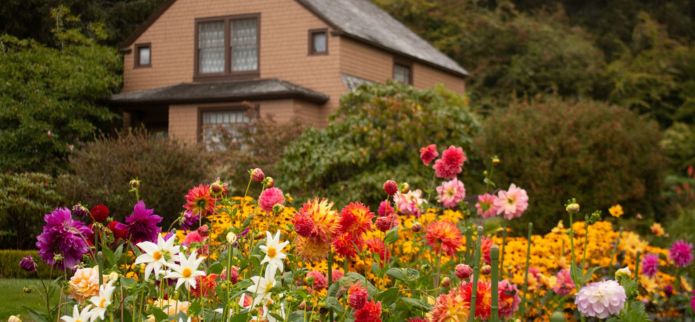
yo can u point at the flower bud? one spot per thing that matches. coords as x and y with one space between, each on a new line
405 187
496 160
257 175
231 238
572 207
446 282
134 183
416 227
80 211
269 182
278 208
623 273
14 318
486 269
463 271
28 264
218 188
390 187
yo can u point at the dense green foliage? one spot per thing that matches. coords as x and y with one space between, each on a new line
9 265
24 198
600 154
102 170
372 139
49 97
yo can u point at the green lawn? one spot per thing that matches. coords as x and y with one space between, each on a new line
14 298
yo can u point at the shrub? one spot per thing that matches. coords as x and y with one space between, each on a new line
24 198
9 265
372 138
598 153
679 146
102 170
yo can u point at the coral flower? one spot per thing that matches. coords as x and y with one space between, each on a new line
325 225
205 286
650 265
84 283
428 154
444 236
347 245
451 193
483 299
357 296
564 285
512 203
269 198
485 247
199 201
450 307
63 236
377 246
450 164
142 224
601 299
317 280
370 312
486 205
616 211
355 219
681 253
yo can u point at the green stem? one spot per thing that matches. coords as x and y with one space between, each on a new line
522 309
504 241
571 234
615 248
438 270
494 258
586 245
330 277
476 273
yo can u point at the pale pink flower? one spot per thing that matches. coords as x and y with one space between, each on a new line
512 203
409 203
601 299
564 284
486 205
451 193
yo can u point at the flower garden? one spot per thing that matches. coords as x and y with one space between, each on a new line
425 254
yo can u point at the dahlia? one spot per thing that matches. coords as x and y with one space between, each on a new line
450 164
390 187
190 220
409 203
444 236
386 223
205 286
28 264
483 299
84 283
317 242
564 285
199 200
509 299
355 219
317 280
377 246
99 213
450 307
357 296
337 275
512 203
485 246
486 205
119 229
63 236
463 271
650 265
192 237
451 193
370 312
269 198
601 299
142 224
681 253
385 208
303 224
347 245
428 154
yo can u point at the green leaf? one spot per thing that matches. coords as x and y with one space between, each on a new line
388 296
416 303
391 236
406 275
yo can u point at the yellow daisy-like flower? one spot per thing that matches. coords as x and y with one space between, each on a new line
616 211
657 229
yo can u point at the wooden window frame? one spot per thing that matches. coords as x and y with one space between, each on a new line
234 107
137 55
312 32
403 63
227 74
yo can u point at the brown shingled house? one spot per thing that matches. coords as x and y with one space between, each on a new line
196 64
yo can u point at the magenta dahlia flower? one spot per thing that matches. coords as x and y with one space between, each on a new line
269 198
486 205
451 193
564 284
681 253
450 164
428 154
142 224
692 302
512 203
63 236
650 265
601 299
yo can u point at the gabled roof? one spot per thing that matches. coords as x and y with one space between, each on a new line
362 21
261 89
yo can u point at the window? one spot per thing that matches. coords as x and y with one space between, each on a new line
402 73
143 55
222 127
227 46
318 42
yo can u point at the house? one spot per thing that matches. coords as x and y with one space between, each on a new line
196 65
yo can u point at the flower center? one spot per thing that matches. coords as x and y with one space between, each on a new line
157 255
511 200
102 303
272 252
186 273
268 285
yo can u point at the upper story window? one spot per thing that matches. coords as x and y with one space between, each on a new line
318 42
402 73
143 55
227 46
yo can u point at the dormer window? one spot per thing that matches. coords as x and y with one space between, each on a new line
318 42
227 46
143 55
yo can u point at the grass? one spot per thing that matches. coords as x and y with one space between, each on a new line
14 299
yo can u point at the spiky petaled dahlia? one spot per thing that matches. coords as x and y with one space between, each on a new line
483 298
681 253
64 236
486 205
650 265
428 154
205 286
303 224
508 299
355 219
325 225
377 246
564 285
142 224
444 236
450 307
347 245
485 247
269 198
450 193
601 299
511 203
357 296
370 312
199 201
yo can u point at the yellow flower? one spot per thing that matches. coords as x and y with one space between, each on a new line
616 211
657 229
84 283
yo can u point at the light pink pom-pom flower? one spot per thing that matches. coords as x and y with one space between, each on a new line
269 198
451 193
512 203
486 205
601 299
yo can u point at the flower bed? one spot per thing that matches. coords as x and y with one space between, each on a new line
417 258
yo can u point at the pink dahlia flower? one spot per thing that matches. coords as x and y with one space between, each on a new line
650 265
450 164
318 280
512 203
601 299
563 282
451 193
486 205
681 253
409 203
269 198
428 154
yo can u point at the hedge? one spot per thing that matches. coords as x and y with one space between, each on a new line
9 265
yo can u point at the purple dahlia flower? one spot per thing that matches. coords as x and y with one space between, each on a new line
142 224
650 265
28 264
65 237
681 253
